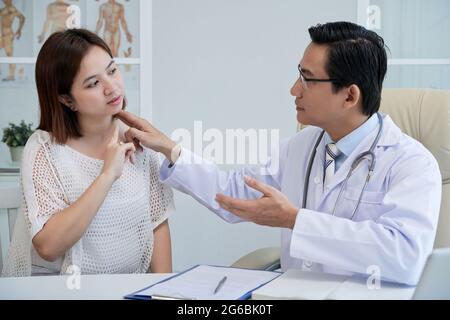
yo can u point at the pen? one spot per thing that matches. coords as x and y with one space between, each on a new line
220 284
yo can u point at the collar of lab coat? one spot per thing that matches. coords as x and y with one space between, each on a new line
348 143
390 136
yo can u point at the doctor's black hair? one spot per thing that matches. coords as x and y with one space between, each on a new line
355 56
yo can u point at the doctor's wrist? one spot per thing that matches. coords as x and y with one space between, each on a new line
165 147
173 155
291 217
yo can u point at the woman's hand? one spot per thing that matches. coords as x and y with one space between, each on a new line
116 155
142 132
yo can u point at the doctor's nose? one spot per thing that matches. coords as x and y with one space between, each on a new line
297 89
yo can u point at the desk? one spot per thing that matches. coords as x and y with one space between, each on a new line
115 287
93 287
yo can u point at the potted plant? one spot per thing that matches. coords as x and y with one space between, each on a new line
15 137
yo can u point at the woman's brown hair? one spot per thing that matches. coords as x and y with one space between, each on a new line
57 65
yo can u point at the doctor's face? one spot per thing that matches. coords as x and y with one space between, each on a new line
316 103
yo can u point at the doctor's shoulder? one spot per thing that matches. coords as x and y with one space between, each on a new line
414 155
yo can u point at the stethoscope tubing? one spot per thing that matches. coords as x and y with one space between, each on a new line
369 153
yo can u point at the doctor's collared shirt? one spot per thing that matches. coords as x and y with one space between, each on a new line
348 143
393 229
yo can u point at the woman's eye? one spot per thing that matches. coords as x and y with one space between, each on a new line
92 85
113 71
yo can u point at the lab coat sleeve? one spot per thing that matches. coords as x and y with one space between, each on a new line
203 179
397 243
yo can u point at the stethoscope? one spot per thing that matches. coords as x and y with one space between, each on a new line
354 165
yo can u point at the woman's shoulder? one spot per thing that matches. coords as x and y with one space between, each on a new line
39 137
37 140
39 143
35 153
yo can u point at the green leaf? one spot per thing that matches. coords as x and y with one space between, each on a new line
16 136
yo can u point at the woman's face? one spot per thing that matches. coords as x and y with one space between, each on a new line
98 88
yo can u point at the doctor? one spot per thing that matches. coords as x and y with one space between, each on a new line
352 193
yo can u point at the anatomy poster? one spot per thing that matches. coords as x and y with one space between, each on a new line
116 22
15 34
50 16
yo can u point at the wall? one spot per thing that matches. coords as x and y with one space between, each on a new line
229 64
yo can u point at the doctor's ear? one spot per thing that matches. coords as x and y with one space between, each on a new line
67 101
353 96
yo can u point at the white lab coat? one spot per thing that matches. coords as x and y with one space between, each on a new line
393 231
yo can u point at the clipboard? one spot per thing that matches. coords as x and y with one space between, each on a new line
201 281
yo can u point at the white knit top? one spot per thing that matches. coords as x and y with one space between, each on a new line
119 238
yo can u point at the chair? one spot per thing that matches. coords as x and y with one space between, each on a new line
9 201
423 114
261 259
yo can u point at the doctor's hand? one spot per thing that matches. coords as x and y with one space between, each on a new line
141 132
272 209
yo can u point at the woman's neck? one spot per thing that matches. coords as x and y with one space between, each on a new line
97 131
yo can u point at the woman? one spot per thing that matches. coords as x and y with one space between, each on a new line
89 200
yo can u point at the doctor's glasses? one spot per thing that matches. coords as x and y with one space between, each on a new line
304 80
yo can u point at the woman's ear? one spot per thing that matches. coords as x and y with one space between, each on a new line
67 101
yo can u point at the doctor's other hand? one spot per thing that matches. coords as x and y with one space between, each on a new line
141 132
272 209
